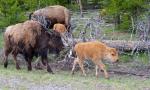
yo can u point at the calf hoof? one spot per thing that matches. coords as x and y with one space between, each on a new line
96 75
107 77
85 75
72 73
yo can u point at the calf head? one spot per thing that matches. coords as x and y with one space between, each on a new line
111 54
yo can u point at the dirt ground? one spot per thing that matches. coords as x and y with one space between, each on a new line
129 69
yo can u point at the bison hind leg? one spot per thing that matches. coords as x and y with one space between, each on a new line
16 61
49 69
6 53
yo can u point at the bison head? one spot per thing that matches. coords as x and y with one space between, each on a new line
55 41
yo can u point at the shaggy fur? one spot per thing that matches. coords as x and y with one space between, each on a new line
29 39
95 51
57 14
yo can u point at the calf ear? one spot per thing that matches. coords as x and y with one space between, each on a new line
113 50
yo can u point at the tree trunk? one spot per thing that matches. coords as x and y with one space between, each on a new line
81 8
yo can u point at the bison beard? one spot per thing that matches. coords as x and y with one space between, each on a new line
29 39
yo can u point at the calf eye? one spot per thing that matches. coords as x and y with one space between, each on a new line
113 54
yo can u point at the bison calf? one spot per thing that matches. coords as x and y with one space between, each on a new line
95 51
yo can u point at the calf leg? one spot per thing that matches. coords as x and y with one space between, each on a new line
96 68
102 66
74 65
81 66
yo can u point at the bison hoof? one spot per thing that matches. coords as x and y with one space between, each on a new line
50 71
29 69
18 68
5 65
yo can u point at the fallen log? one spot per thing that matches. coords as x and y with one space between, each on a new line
125 45
128 45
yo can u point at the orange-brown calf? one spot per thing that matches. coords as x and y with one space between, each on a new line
59 28
95 51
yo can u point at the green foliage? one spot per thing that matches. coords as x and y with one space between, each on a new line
1 40
118 9
14 11
125 22
10 12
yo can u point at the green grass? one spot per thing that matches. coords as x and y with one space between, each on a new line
77 81
1 40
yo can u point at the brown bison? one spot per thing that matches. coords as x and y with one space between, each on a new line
96 51
57 14
30 39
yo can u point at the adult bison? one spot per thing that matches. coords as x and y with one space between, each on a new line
30 39
56 13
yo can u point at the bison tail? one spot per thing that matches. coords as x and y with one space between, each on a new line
30 15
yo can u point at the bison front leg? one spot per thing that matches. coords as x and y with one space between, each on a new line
29 65
45 62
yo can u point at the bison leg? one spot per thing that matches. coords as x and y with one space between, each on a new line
45 61
5 60
16 61
29 65
6 53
